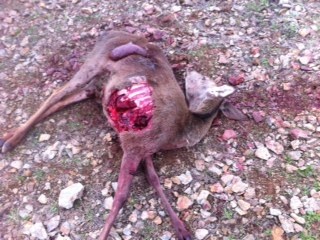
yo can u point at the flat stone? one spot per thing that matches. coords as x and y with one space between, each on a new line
53 223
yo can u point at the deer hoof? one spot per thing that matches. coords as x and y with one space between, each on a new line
2 141
184 235
7 147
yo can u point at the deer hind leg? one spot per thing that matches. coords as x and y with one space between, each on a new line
154 181
94 65
128 168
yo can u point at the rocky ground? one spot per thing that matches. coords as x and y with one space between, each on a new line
257 179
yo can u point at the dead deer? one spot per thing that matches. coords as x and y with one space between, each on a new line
144 104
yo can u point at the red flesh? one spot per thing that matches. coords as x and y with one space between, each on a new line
131 109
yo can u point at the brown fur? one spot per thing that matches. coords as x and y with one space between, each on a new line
173 125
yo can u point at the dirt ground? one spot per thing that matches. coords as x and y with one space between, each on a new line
257 179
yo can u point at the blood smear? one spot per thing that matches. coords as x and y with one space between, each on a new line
131 109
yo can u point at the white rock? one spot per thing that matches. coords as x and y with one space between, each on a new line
244 205
25 41
107 204
38 231
304 60
43 199
294 155
201 233
202 197
295 203
60 237
311 204
166 236
215 170
298 219
262 153
51 151
250 193
68 195
53 223
16 164
176 8
185 178
44 137
240 211
275 212
127 230
227 179
144 215
239 186
286 224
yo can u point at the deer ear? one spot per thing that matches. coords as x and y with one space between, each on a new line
222 91
232 112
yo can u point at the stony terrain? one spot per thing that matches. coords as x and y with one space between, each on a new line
257 179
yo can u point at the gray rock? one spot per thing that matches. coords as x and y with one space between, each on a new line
70 194
185 178
52 223
202 197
